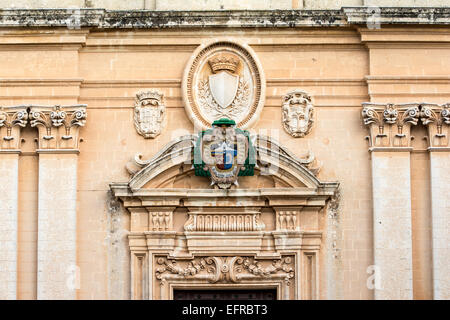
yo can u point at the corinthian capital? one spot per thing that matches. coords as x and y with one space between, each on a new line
390 124
11 120
437 120
58 126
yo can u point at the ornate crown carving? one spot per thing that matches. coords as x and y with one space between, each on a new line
151 94
224 62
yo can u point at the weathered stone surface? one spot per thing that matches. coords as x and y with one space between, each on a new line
57 269
216 4
9 168
106 19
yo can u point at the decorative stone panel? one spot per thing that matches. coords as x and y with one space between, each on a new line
160 218
287 218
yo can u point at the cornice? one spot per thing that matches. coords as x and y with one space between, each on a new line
397 15
145 19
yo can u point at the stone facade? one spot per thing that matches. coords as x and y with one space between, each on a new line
336 126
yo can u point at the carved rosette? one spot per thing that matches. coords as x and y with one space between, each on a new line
223 79
149 111
390 124
11 120
58 126
297 113
225 269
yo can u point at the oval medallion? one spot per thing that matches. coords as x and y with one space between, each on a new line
223 79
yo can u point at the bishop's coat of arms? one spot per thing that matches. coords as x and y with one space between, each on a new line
223 153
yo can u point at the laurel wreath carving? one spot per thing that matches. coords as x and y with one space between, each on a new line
234 110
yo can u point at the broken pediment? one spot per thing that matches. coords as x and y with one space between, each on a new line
276 167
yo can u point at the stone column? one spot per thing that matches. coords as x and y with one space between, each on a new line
11 119
58 154
390 148
437 120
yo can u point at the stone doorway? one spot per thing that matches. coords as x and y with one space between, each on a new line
267 232
262 294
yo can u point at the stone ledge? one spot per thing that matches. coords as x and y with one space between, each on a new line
390 15
125 19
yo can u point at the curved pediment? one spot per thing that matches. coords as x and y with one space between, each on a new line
172 167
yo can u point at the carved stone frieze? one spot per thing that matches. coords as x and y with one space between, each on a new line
149 113
230 221
223 79
58 126
11 120
390 124
297 113
225 269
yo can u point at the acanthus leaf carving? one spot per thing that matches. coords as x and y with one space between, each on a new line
390 124
11 119
436 118
225 269
254 267
58 126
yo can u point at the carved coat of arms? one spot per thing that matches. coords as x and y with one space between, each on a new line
223 80
224 93
149 112
224 153
297 113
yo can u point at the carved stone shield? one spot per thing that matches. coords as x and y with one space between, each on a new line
223 87
297 113
149 113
